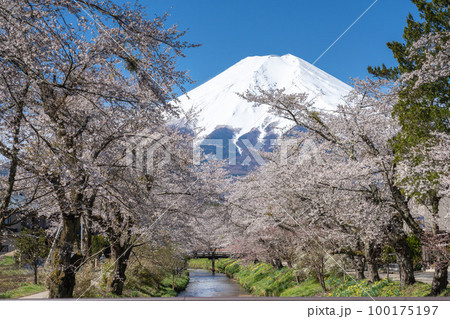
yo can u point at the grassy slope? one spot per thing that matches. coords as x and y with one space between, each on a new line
263 280
16 282
134 288
140 282
25 289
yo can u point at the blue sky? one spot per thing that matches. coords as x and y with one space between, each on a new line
232 30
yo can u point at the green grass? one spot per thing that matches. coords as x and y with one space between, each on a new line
180 284
419 289
25 289
15 281
7 261
309 287
142 280
362 288
382 288
202 263
138 288
8 267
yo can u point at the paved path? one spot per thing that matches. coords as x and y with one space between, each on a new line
41 295
422 276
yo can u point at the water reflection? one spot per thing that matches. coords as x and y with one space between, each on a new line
203 283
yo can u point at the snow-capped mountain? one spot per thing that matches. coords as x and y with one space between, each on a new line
226 116
219 105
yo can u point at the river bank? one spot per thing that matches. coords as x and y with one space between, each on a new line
262 279
142 280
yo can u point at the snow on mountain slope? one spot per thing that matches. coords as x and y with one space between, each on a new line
219 105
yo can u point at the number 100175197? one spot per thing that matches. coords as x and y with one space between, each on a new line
402 310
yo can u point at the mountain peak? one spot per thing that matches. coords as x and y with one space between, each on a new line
219 105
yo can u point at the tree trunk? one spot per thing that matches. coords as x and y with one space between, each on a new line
360 265
405 266
372 268
87 222
397 238
61 282
371 257
320 272
322 282
87 239
440 277
35 268
120 256
13 166
405 262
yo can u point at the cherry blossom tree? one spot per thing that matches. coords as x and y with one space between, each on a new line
93 73
359 162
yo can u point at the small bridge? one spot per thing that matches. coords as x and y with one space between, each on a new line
212 255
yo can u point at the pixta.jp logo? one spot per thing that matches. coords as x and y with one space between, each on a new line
147 151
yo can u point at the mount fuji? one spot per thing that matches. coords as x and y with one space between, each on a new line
226 117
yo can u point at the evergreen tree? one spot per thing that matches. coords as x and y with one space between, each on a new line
32 248
421 109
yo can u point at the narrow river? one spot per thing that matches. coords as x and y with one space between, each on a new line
203 283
